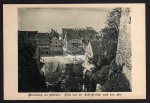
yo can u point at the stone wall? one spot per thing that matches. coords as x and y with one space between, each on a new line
124 52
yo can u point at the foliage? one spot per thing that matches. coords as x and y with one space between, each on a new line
78 70
90 81
117 83
112 79
102 75
95 60
113 19
86 80
67 79
108 74
54 74
73 79
29 78
110 36
109 40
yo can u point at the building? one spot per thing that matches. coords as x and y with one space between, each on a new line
86 34
49 43
56 46
93 48
43 43
93 51
53 33
78 38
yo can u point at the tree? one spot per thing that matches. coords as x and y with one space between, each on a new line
110 36
109 40
112 79
78 70
54 73
117 83
95 60
73 79
29 77
113 19
86 80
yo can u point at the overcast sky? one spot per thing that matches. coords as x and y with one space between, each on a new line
45 19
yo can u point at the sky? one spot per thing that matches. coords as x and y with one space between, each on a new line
45 19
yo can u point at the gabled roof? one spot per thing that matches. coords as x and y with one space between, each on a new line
43 38
96 47
72 34
54 33
84 34
54 38
87 35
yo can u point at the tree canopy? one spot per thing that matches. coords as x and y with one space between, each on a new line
29 77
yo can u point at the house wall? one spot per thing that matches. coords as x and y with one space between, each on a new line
44 48
65 42
56 48
88 53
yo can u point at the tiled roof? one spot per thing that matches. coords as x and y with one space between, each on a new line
84 34
54 33
53 39
43 38
96 46
72 34
88 35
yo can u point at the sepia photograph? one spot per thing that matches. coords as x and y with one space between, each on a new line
72 49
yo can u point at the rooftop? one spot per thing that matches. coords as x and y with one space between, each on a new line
86 34
43 38
96 46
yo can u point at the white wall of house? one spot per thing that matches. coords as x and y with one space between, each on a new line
56 47
88 52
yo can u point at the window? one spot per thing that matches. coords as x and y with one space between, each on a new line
46 52
56 42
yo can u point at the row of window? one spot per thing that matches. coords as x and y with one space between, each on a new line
46 44
56 46
44 48
52 53
44 52
52 45
43 44
57 52
75 40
